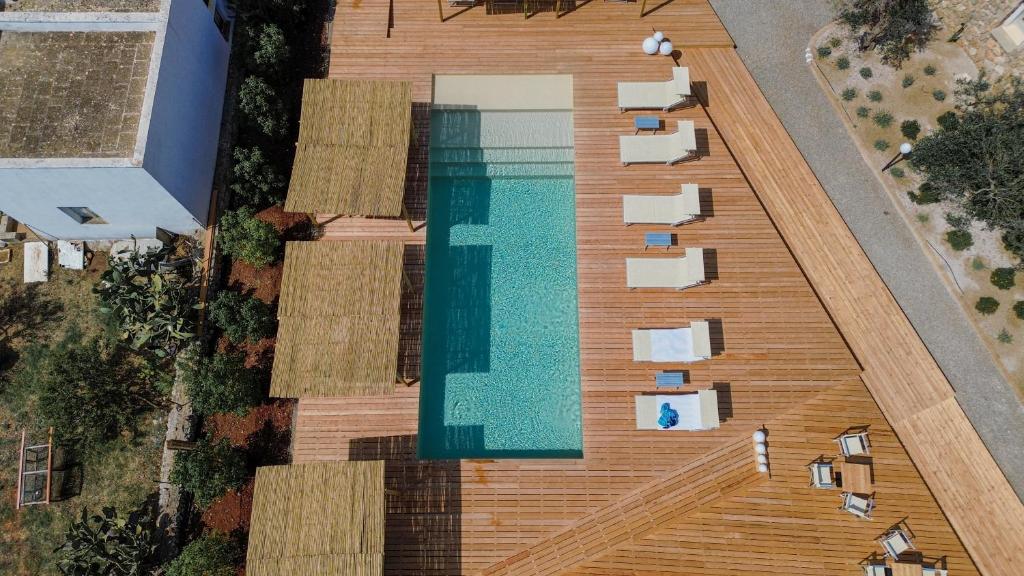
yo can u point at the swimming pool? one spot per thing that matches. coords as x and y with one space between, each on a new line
500 372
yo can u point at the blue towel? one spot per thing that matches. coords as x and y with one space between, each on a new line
669 417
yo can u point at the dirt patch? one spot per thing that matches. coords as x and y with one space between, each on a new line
967 271
231 513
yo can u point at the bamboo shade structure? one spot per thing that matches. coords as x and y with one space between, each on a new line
353 148
339 319
323 518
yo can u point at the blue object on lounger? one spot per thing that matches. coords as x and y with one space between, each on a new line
669 417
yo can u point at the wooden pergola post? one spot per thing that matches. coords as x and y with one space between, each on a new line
440 11
643 8
408 220
558 8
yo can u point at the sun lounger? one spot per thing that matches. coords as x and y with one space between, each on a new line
652 95
678 273
858 504
660 149
37 262
671 210
696 411
673 345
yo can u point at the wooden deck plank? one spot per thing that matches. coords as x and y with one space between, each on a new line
778 347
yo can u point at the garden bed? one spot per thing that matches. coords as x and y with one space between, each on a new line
921 91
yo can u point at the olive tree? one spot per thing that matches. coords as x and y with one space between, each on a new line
893 27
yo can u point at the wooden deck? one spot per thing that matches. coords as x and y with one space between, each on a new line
780 360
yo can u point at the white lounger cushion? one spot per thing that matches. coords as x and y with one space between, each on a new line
696 411
673 345
650 95
675 273
651 209
660 149
37 262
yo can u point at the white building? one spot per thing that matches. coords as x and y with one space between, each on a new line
109 121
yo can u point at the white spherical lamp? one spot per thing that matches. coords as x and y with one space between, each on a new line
665 48
759 436
760 448
650 46
906 148
762 459
659 36
762 467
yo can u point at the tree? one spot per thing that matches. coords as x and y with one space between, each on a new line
108 544
242 318
260 103
893 27
209 471
977 160
221 383
211 555
256 180
241 235
154 310
267 48
86 390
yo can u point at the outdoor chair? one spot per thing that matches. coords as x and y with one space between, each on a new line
822 474
854 444
896 542
661 149
674 344
858 504
678 273
655 95
693 411
670 210
876 570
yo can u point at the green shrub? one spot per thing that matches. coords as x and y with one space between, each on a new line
1003 278
109 544
243 236
930 70
824 51
866 73
948 121
977 263
897 172
1018 309
843 63
922 217
910 129
261 105
267 48
875 96
959 239
863 111
939 95
958 221
221 383
987 305
1005 337
1013 240
256 180
908 80
211 555
926 195
882 119
881 145
242 318
849 94
210 470
835 42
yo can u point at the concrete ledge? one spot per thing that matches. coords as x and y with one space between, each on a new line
507 92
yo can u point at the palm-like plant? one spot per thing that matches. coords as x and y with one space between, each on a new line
154 310
108 544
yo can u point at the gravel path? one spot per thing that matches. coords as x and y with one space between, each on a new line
771 38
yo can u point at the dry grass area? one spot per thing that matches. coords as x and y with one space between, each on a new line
83 5
72 94
969 269
122 476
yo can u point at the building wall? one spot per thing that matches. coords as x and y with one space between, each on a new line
129 199
181 144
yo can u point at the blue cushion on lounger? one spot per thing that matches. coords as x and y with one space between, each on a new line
669 417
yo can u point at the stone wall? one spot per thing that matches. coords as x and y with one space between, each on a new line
981 16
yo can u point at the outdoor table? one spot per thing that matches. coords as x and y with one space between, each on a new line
657 239
907 569
856 477
646 123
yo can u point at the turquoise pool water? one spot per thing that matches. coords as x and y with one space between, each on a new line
500 376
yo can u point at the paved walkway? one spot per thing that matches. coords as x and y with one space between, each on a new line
771 38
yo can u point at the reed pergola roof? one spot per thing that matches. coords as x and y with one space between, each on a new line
339 319
323 518
353 148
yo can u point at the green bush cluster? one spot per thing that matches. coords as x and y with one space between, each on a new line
1003 278
908 80
843 63
881 145
987 305
257 181
1005 337
109 543
210 555
221 383
875 96
209 470
930 70
948 121
835 42
866 72
244 236
910 129
848 94
882 119
959 239
939 95
926 194
1018 309
897 172
242 318
824 51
